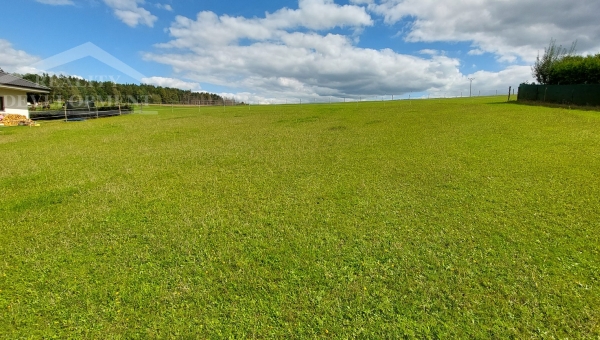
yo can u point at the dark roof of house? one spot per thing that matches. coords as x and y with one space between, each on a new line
10 80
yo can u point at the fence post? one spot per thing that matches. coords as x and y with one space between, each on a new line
509 88
65 105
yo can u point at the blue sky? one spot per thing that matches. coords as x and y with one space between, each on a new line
267 51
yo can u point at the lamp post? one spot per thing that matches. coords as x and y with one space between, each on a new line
471 86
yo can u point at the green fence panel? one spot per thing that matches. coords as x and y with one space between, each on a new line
584 95
528 92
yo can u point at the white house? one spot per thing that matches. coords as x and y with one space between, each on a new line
13 94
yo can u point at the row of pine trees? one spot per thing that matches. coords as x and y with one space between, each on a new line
73 88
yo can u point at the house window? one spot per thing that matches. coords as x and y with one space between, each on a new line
1 103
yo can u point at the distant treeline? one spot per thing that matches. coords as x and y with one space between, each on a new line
68 87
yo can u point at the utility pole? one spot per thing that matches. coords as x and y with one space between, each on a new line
471 86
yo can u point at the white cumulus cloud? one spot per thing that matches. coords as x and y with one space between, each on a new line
166 7
130 12
293 53
171 82
56 2
511 29
208 28
13 60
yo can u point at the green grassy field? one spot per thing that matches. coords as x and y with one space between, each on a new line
456 218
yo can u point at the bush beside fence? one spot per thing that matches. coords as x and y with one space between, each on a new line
583 95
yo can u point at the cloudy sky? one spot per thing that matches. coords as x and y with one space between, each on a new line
265 50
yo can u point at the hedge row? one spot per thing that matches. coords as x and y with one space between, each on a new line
571 70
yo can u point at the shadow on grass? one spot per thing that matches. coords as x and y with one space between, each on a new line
549 105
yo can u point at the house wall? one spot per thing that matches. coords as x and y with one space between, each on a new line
15 102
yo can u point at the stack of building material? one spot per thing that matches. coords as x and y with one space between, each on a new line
16 120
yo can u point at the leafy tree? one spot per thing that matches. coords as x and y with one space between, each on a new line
543 66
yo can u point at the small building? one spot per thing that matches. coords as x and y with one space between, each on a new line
14 92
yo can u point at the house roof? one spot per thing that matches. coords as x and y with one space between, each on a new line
8 80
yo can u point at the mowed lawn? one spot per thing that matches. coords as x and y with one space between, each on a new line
455 218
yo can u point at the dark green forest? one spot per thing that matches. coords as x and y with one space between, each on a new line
73 88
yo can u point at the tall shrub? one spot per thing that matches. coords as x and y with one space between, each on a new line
575 70
543 66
